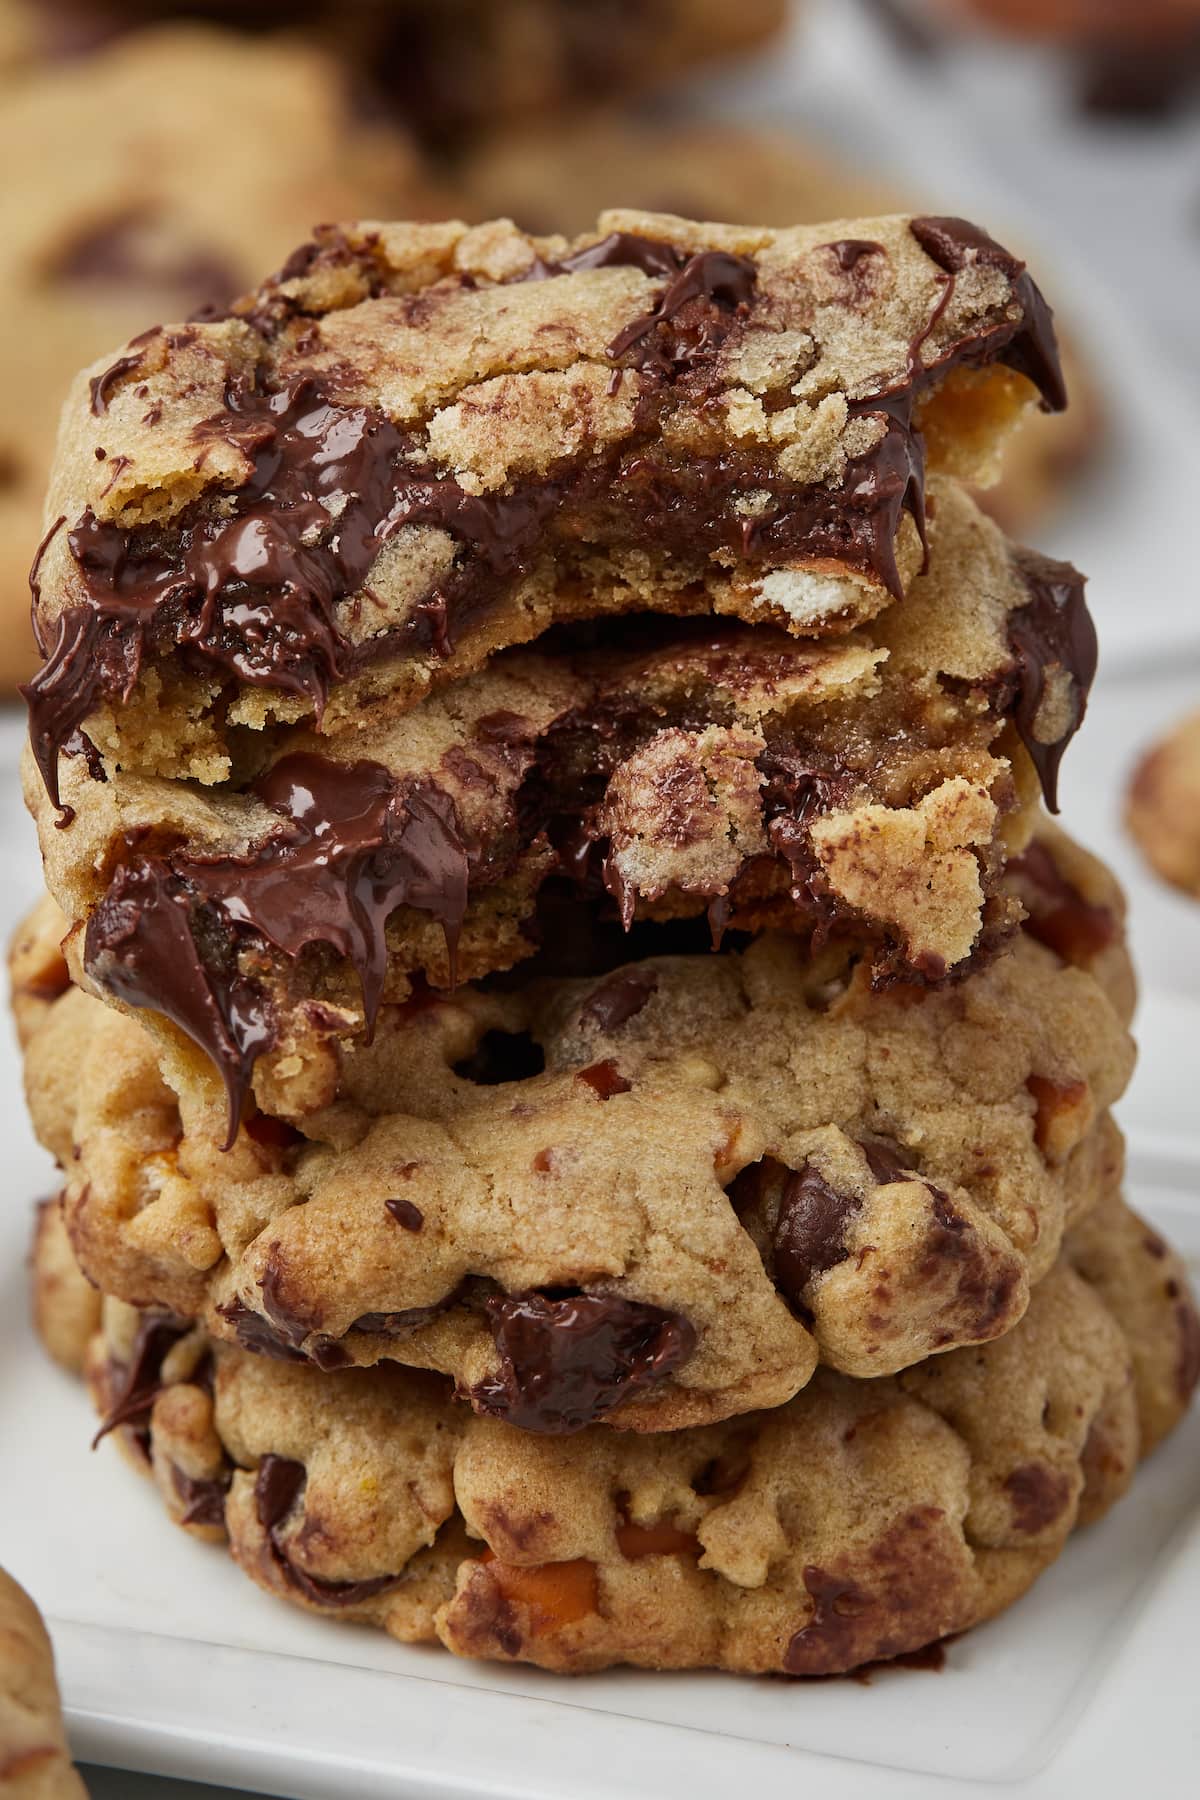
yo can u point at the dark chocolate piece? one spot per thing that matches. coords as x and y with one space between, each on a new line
252 592
810 1231
567 1361
1058 914
137 1383
1055 628
620 999
406 1214
277 1487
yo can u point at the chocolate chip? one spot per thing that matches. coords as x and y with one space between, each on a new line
1040 1495
810 1231
566 1361
406 1214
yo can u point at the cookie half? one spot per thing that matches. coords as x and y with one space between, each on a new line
419 444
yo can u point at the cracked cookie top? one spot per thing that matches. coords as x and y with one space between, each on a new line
418 443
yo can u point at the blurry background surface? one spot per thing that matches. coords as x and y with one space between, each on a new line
159 158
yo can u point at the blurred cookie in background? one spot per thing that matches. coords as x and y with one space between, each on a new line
1162 808
448 66
560 179
157 176
1126 58
35 1763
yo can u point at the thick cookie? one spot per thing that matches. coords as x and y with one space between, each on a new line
659 1197
861 1520
35 1763
417 444
180 196
1162 809
866 787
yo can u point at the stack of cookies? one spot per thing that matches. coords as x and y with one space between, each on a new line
581 1067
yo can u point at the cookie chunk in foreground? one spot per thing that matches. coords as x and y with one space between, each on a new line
860 1521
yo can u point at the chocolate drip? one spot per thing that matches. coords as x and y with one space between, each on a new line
203 1497
354 846
155 943
832 1634
567 1361
277 1487
1054 629
139 1381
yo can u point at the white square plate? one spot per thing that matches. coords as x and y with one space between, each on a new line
172 1661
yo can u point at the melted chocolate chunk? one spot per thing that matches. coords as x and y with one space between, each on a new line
256 1335
715 278
252 592
203 1498
832 1634
354 846
567 1361
154 943
809 1235
849 252
137 1383
619 250
277 1488
620 999
1032 349
1058 914
1054 629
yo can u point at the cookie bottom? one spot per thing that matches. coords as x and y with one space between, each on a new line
862 1521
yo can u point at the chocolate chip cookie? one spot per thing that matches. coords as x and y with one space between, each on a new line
656 1197
1162 808
151 184
418 444
867 787
35 1762
859 1521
